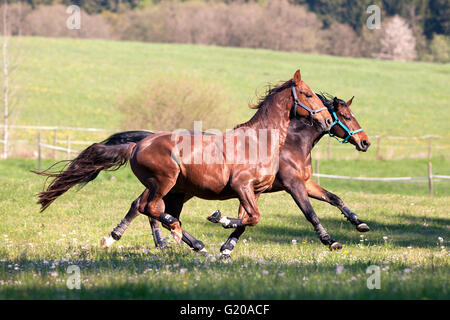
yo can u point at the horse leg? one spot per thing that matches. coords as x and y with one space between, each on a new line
174 204
118 231
156 233
228 246
173 208
297 190
247 199
317 192
153 206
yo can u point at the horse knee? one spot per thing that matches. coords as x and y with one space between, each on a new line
151 209
253 221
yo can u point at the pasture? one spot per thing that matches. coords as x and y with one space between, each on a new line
281 258
76 83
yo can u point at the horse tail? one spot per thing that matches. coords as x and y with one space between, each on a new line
126 137
83 169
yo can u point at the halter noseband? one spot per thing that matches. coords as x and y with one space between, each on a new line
343 126
298 103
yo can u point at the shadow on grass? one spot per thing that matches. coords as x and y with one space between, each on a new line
410 233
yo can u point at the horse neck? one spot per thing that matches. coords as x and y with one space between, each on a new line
273 115
302 136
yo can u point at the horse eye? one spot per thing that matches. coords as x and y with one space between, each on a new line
308 95
347 118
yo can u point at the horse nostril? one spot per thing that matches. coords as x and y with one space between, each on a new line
365 143
329 121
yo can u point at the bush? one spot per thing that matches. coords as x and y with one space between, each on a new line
440 48
278 25
15 17
340 40
175 102
50 21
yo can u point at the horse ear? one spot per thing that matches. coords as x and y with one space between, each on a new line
349 102
297 77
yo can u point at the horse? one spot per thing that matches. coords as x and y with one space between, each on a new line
169 163
295 173
294 176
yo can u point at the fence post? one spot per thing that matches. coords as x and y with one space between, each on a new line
54 143
329 148
39 149
317 170
378 147
430 148
430 179
68 147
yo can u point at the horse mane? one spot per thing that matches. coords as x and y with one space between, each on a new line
263 103
327 100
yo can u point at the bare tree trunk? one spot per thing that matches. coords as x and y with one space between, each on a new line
5 78
20 19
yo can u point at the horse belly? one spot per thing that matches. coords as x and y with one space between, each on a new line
208 181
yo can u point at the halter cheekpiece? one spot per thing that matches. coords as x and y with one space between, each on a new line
298 103
343 126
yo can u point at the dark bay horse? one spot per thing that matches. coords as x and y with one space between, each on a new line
174 163
294 176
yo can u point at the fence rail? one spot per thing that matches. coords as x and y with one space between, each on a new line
383 179
378 143
57 128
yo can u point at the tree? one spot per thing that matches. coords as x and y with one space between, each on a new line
5 80
397 41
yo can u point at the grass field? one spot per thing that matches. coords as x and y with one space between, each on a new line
76 83
36 248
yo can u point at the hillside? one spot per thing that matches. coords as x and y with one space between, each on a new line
77 82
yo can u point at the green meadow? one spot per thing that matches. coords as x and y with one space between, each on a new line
280 258
77 83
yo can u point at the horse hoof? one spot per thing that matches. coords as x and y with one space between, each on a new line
336 246
162 245
215 217
204 252
106 242
362 227
225 257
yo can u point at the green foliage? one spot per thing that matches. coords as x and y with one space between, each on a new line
440 48
430 15
438 18
344 11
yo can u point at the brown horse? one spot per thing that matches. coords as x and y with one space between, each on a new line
295 173
175 163
294 176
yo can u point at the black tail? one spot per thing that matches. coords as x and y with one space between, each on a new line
126 137
109 155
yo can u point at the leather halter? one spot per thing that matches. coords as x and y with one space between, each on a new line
298 103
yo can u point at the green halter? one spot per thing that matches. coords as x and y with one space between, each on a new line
343 126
